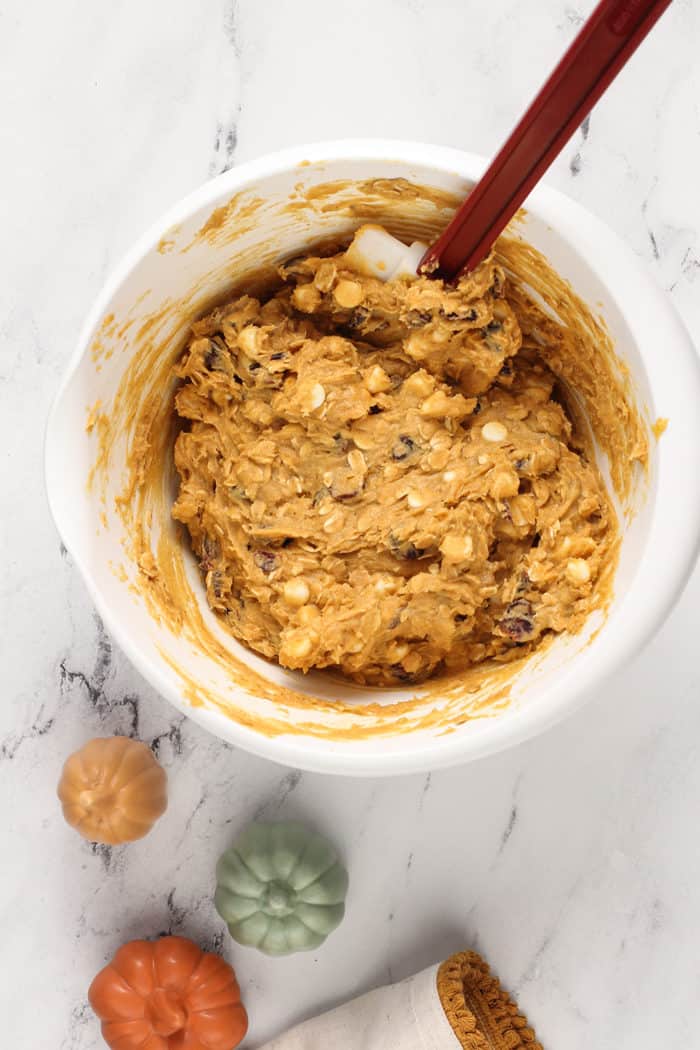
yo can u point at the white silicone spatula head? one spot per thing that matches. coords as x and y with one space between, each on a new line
375 253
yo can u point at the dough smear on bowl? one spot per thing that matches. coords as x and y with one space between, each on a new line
384 478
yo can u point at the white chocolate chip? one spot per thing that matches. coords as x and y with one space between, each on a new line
296 592
318 396
494 431
449 475
412 662
348 294
416 499
504 485
332 523
420 384
306 298
435 406
457 547
297 648
356 462
578 570
437 459
523 509
248 339
377 380
396 652
325 276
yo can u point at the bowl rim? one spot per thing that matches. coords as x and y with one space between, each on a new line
675 516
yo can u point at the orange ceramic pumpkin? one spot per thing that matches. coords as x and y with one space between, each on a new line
113 790
168 995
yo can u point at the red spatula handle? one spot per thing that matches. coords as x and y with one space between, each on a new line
603 46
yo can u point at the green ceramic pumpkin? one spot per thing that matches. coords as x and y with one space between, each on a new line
280 888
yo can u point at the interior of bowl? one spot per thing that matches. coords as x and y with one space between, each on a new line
115 516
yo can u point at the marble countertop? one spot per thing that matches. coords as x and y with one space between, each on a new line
571 862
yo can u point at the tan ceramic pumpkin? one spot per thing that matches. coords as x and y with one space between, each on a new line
112 790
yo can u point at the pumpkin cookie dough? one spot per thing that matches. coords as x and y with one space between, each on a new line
383 478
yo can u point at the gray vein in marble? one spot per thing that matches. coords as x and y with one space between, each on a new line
690 265
226 134
39 727
124 710
187 825
105 852
532 970
283 789
190 820
231 26
512 819
177 915
650 232
225 142
173 735
215 942
576 162
573 16
80 1016
426 788
362 818
128 706
508 831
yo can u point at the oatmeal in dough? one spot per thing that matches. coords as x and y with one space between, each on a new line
382 477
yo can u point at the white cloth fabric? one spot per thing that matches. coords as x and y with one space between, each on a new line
403 1016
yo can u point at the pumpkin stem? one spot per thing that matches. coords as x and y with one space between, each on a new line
278 899
166 1011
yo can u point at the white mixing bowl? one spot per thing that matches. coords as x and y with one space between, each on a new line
265 211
